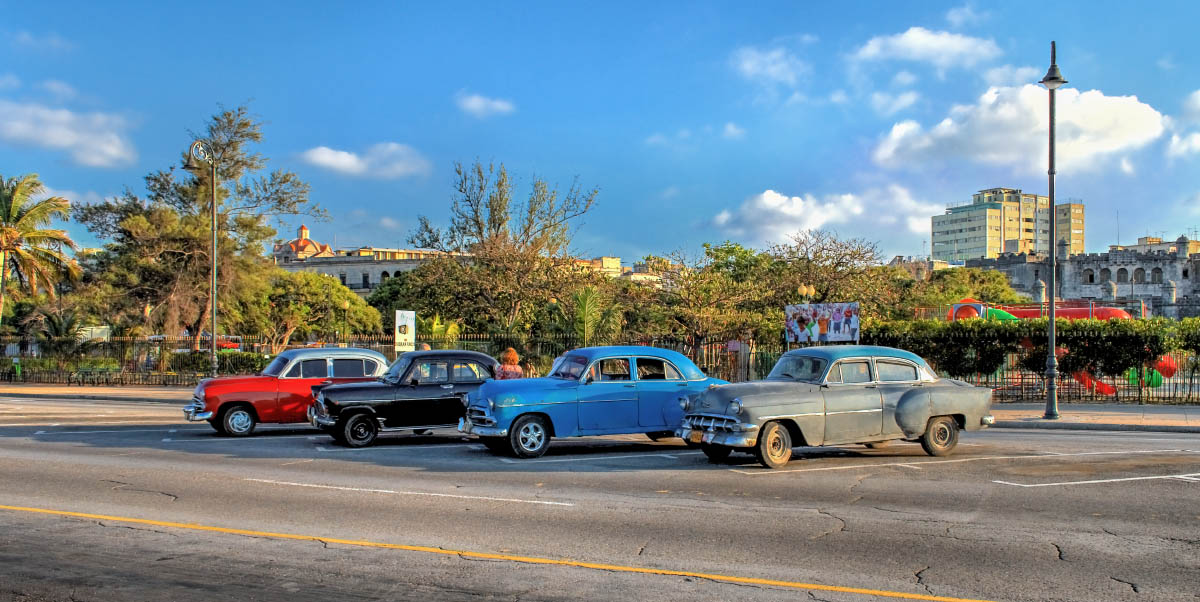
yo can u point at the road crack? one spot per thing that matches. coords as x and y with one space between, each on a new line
101 523
841 524
920 577
1059 549
120 486
1137 589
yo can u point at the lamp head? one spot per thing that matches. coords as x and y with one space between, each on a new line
1054 77
198 156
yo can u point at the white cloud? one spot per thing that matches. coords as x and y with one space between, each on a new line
1008 126
1127 166
669 192
887 104
481 107
386 160
49 41
59 89
1183 145
839 97
964 15
732 131
678 140
1166 63
776 66
390 223
80 198
92 139
1191 107
772 217
1008 75
904 78
9 81
941 49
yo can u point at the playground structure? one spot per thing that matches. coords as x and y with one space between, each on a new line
1164 367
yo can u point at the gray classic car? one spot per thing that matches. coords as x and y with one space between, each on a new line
831 396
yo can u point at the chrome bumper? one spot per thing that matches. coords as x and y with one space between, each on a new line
740 439
988 420
194 412
317 420
467 427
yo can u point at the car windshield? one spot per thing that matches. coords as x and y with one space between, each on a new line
798 367
275 368
398 367
570 368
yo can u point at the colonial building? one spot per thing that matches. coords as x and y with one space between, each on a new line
1163 275
1004 220
300 248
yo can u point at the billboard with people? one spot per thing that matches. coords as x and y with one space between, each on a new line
822 323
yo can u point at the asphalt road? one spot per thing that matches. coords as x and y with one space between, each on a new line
111 501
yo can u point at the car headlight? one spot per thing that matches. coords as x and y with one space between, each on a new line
491 404
735 406
685 403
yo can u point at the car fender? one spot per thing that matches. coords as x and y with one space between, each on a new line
913 411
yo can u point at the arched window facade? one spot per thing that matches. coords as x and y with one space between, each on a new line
383 276
1156 276
1089 277
1105 275
1139 276
366 280
1122 276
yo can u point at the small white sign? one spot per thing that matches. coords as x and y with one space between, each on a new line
405 330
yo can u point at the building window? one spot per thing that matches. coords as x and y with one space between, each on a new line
366 280
383 276
1122 276
342 277
1089 277
1139 276
1185 273
1156 276
1105 275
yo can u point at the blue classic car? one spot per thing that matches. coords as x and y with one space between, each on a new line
591 391
836 395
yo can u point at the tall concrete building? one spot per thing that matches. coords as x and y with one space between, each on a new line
1004 220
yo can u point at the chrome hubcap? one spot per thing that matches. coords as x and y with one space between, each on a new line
775 445
361 430
531 436
941 435
240 421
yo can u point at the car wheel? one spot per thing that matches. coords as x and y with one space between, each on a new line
774 447
238 421
360 430
529 437
660 435
716 453
878 444
496 445
940 436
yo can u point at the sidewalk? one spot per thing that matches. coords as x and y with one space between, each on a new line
1100 417
1075 416
176 395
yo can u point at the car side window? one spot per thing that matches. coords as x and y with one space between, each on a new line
896 371
294 372
431 372
468 372
313 369
369 367
656 369
854 372
348 368
835 375
615 368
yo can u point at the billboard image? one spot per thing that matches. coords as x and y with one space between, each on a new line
822 322
406 330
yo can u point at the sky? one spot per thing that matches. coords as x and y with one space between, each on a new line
698 122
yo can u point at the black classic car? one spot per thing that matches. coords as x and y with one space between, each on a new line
422 390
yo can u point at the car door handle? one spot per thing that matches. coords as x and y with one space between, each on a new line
447 386
871 387
630 386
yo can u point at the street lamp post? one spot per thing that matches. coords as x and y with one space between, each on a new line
1052 81
198 154
346 322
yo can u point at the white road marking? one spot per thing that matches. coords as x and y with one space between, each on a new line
139 422
910 466
417 493
1185 477
122 431
958 460
296 462
322 448
592 458
230 439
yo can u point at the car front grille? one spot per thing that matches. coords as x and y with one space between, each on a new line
708 422
479 416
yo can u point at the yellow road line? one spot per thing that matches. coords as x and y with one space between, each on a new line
506 557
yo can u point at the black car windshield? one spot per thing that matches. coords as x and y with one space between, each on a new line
275 368
798 367
398 367
571 367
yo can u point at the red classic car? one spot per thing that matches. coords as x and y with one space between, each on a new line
234 405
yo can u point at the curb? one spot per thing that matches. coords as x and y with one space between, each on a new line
163 400
1090 426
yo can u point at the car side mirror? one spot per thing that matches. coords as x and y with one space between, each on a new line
589 380
414 382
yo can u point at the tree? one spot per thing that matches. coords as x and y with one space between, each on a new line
59 337
702 300
155 269
30 252
589 315
513 256
306 303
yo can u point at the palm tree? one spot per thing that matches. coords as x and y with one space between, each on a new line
590 316
28 251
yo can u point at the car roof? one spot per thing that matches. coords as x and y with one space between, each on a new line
837 352
452 353
314 352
